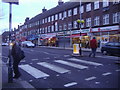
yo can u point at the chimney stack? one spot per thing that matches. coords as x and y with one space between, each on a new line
43 10
27 19
60 2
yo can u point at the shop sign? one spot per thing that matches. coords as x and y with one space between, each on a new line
109 28
85 30
60 33
76 32
82 31
95 29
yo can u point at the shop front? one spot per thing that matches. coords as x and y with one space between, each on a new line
47 39
106 34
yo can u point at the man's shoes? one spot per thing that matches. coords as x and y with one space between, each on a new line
89 55
17 76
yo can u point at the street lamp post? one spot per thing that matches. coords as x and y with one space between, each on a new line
80 21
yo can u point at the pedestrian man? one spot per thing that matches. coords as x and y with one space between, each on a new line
16 52
93 46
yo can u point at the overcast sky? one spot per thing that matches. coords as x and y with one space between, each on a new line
26 8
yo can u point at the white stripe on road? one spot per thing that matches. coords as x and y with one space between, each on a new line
33 71
117 70
108 57
90 78
46 52
66 55
86 62
71 64
53 67
70 84
34 59
105 74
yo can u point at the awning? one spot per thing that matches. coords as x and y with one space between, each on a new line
32 37
47 36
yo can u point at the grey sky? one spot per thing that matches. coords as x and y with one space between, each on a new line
26 8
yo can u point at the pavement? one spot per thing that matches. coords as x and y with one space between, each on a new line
69 48
19 83
16 84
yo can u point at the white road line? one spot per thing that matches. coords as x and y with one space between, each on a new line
105 74
71 64
90 78
46 53
33 71
53 67
86 62
109 57
70 84
117 70
34 59
66 55
22 61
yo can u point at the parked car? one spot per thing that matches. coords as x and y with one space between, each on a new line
111 48
4 44
27 44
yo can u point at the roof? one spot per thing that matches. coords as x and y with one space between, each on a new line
55 10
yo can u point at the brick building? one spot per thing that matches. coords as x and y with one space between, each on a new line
101 19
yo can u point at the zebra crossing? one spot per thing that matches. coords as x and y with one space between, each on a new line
37 73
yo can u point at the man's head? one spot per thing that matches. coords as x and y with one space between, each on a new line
94 38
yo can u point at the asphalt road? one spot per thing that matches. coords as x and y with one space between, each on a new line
57 68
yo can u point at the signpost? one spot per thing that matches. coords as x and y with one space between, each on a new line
10 71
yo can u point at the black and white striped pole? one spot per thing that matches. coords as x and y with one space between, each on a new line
80 21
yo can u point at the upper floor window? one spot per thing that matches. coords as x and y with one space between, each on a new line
105 3
52 28
45 29
48 19
65 26
116 1
69 12
60 15
88 7
96 21
48 28
105 19
60 27
53 18
56 17
70 25
96 5
75 24
45 20
65 14
88 22
75 11
82 9
116 17
56 26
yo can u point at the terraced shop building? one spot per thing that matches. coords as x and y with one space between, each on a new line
59 24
